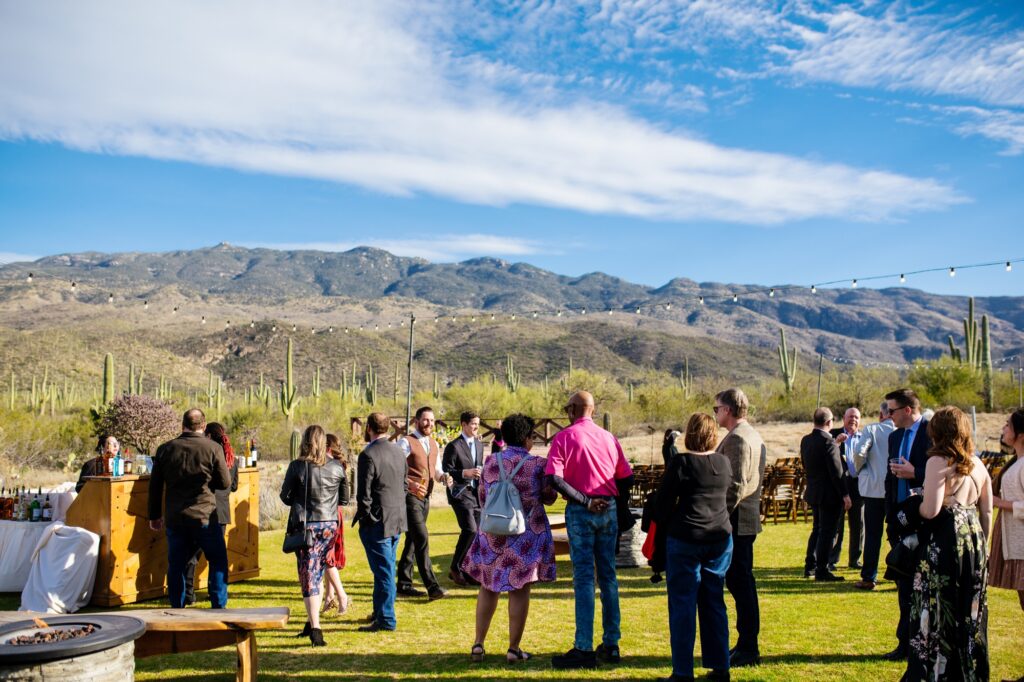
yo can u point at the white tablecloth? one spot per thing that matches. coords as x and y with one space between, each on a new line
18 539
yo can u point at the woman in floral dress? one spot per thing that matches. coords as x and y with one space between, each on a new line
949 610
512 563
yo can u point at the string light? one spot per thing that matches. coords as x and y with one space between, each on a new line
175 311
559 313
638 310
252 324
274 328
312 330
771 294
583 312
145 305
227 324
330 330
854 284
346 330
668 306
204 319
735 298
701 302
492 317
29 278
295 327
1008 269
513 316
952 272
110 298
814 289
609 312
903 278
535 314
73 285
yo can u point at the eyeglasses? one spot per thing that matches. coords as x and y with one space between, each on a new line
716 408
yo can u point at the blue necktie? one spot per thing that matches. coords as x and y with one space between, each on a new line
903 491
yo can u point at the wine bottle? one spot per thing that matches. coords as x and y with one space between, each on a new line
47 510
35 508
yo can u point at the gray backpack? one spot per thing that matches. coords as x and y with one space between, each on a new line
503 512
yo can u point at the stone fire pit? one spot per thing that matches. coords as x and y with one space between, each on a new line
80 647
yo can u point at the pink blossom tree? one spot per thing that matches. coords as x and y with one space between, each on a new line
140 421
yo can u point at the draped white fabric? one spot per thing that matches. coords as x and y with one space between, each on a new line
63 570
18 539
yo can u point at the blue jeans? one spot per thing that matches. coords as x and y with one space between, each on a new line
592 543
183 540
696 587
381 552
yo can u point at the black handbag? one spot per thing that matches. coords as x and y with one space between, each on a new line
302 538
903 558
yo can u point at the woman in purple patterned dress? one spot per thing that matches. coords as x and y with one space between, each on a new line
512 563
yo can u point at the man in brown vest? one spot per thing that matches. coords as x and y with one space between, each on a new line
424 458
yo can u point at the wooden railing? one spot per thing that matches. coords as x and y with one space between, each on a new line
544 429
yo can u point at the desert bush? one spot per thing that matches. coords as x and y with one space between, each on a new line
141 421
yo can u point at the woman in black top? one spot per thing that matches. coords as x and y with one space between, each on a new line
691 511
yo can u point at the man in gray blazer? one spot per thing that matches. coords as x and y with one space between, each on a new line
463 460
380 513
747 454
872 461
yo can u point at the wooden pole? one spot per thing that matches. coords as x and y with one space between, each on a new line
821 360
408 394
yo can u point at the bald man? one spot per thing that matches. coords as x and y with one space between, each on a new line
849 439
587 466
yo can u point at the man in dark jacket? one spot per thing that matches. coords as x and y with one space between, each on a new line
380 513
191 467
463 460
826 494
909 444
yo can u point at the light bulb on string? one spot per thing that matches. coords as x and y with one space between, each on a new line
145 305
252 324
535 315
1008 268
110 298
436 319
330 330
559 313
453 318
360 327
204 319
903 278
273 328
29 278
312 330
735 298
952 272
389 325
513 316
227 324
295 327
609 312
638 310
668 306
402 324
771 293
473 319
175 311
701 300
376 327
854 284
814 289
74 284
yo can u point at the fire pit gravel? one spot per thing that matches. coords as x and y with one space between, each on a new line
48 644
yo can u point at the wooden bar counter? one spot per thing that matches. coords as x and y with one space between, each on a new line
133 559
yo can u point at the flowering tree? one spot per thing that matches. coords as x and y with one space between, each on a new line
140 421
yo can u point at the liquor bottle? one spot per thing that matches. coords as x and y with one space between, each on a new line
254 454
24 501
116 467
47 510
35 508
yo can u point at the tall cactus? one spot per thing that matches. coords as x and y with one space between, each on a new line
397 370
14 392
371 385
108 378
787 365
986 364
512 377
262 392
296 445
289 398
685 380
971 355
436 393
316 392
211 391
218 400
164 390
629 392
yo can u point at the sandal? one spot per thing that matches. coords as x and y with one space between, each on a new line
517 656
346 601
476 654
328 604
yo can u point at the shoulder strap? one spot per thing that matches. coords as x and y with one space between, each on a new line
518 466
305 501
501 467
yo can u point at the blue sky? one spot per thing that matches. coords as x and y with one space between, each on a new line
748 142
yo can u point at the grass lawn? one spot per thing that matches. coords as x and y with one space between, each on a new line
808 631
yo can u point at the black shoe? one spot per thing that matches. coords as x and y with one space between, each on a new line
718 676
739 659
856 565
808 572
457 578
316 637
896 654
375 627
829 578
831 568
438 593
409 591
608 654
306 629
574 658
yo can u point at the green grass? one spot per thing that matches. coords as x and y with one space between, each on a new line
808 631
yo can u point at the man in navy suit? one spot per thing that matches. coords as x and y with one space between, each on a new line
826 494
463 460
908 454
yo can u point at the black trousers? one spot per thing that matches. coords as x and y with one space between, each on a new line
821 542
417 542
874 527
743 588
904 590
467 513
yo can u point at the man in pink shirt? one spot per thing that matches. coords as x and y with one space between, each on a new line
586 465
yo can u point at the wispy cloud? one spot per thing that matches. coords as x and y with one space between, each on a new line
438 248
9 257
376 95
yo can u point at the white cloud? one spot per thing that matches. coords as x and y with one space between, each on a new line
9 257
439 248
370 94
1001 125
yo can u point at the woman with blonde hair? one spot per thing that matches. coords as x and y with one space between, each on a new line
311 487
691 510
1006 563
948 605
335 596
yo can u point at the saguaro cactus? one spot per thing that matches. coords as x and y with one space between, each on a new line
685 380
787 365
986 364
971 355
371 385
296 445
262 392
14 392
316 392
108 379
289 398
512 377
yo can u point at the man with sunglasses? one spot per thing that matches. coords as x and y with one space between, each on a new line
747 455
908 454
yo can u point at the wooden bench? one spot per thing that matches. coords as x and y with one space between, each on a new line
172 631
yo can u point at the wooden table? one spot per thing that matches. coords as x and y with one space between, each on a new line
133 559
172 631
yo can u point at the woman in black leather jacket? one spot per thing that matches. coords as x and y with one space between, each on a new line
310 488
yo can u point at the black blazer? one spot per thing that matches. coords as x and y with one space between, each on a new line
381 487
823 467
918 457
454 460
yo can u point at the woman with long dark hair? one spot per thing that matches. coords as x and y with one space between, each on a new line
311 486
948 605
1006 563
335 596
